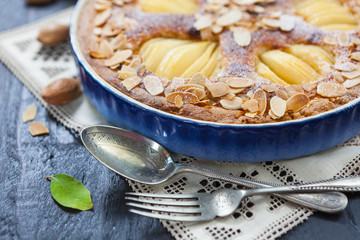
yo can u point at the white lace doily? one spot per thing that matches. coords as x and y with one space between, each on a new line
260 217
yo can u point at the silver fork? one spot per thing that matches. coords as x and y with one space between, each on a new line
221 203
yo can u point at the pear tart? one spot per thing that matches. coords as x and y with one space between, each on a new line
228 61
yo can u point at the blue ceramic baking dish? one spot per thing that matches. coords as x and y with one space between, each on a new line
215 141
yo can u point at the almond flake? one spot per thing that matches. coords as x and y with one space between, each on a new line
297 102
352 83
177 82
216 29
136 63
106 48
118 42
269 87
126 72
230 18
218 89
30 113
346 66
278 106
338 76
131 82
270 22
97 54
237 82
97 31
352 74
233 104
102 5
355 56
198 78
185 87
102 17
287 23
236 90
272 115
355 40
204 21
119 3
330 39
199 92
343 39
153 85
119 57
178 101
261 98
250 115
37 128
331 90
251 105
186 97
242 36
281 94
309 86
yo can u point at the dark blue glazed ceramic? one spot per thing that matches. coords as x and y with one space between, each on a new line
216 141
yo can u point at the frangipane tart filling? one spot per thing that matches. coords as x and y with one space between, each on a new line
228 61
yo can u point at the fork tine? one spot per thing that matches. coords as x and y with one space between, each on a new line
178 196
170 209
183 218
164 201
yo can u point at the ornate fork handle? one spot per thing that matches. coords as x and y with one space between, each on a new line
324 202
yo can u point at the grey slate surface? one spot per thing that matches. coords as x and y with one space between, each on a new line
27 210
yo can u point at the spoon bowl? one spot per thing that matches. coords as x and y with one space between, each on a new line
129 154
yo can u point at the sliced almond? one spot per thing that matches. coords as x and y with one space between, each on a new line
343 39
331 90
236 90
278 106
102 5
355 56
218 89
251 105
199 92
216 29
250 114
198 79
97 54
261 98
30 113
338 76
118 42
282 94
153 85
132 82
355 40
352 83
203 22
119 57
269 87
106 48
233 104
287 23
102 17
330 39
297 102
345 66
294 88
272 115
178 101
309 86
229 18
238 82
270 22
185 87
186 96
126 72
352 74
242 36
38 128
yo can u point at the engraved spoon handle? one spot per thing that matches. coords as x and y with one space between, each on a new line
324 202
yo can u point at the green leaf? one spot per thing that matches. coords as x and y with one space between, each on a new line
69 192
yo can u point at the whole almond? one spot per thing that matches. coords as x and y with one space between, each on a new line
61 91
53 34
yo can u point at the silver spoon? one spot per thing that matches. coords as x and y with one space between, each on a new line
143 160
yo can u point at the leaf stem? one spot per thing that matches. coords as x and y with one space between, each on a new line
49 177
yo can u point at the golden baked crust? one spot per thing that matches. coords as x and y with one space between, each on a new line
337 86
